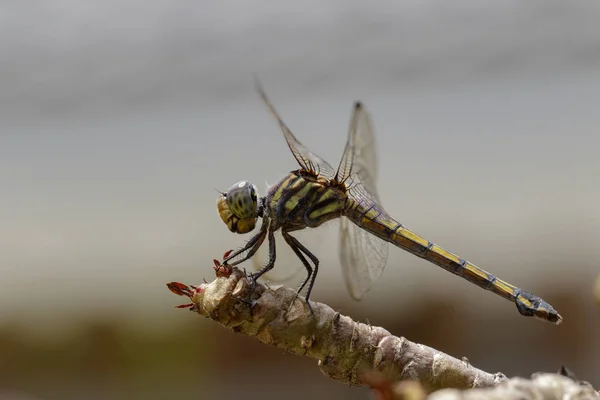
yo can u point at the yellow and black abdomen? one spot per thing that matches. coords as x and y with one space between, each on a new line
373 219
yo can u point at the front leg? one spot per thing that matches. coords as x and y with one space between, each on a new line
270 264
272 256
251 246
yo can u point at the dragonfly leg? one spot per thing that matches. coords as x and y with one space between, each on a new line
299 248
290 241
252 246
270 264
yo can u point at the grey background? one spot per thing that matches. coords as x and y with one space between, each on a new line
118 119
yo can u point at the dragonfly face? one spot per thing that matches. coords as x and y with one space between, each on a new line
238 207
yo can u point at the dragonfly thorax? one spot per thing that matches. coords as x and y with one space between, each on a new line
238 207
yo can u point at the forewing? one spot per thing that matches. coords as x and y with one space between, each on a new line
366 165
307 160
360 152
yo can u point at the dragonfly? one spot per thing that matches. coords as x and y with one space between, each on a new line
316 193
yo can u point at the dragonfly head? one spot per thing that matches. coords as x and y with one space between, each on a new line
238 207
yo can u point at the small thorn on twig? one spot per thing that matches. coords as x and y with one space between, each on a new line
227 253
182 289
222 270
188 305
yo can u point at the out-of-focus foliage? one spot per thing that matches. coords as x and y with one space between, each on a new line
597 290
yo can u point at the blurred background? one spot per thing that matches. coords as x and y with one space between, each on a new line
119 119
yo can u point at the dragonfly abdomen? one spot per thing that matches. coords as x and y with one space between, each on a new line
373 219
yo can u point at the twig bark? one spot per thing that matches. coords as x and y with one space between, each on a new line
540 386
346 349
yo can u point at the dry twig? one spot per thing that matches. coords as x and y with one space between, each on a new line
346 349
360 354
540 386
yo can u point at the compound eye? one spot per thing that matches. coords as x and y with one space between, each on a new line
253 195
242 199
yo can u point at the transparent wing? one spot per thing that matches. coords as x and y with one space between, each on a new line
360 152
363 255
307 160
